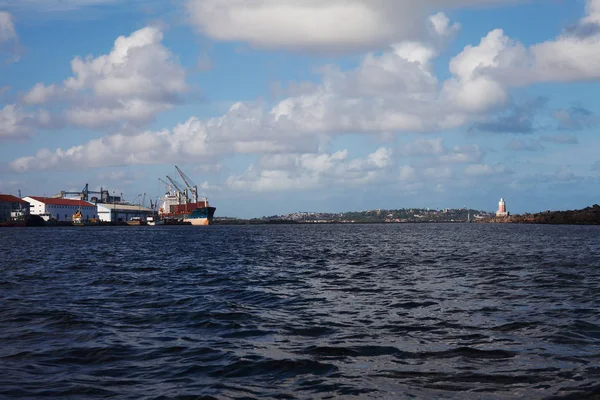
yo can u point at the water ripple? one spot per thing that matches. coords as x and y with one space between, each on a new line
454 311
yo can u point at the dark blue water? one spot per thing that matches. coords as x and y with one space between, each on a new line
301 312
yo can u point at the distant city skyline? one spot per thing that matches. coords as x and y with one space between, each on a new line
299 105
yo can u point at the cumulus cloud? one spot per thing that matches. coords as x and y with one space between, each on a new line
568 58
12 122
243 129
313 25
442 26
394 91
311 170
18 123
397 91
138 79
40 94
388 92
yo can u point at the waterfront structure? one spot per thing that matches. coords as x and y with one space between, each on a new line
12 208
502 209
122 212
60 209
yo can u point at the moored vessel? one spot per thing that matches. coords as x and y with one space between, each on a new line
77 218
136 221
152 221
184 205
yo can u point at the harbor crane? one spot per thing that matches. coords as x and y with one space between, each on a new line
105 197
188 182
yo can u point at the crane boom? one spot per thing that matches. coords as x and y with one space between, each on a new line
174 184
186 179
168 185
188 182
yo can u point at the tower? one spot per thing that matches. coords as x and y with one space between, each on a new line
501 209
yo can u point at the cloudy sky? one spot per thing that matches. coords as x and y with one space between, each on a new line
277 106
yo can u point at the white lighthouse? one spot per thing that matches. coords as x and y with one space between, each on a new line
501 209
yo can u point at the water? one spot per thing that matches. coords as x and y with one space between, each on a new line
301 312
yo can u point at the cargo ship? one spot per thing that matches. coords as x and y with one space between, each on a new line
183 204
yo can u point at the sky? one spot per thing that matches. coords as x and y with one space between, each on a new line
279 106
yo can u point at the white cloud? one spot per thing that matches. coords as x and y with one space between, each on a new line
568 58
434 149
9 41
390 92
397 91
12 122
381 158
463 155
40 94
138 79
407 173
441 25
17 123
484 170
312 170
593 12
7 27
469 89
313 25
438 173
243 129
424 147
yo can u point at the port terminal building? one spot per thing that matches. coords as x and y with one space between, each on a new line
12 208
116 212
60 209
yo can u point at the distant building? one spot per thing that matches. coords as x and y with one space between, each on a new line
60 209
502 209
122 212
12 207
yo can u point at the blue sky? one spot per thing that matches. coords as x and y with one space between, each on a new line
280 106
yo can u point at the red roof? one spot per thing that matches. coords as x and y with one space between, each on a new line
7 198
62 202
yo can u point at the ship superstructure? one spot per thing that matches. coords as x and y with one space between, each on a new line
183 203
